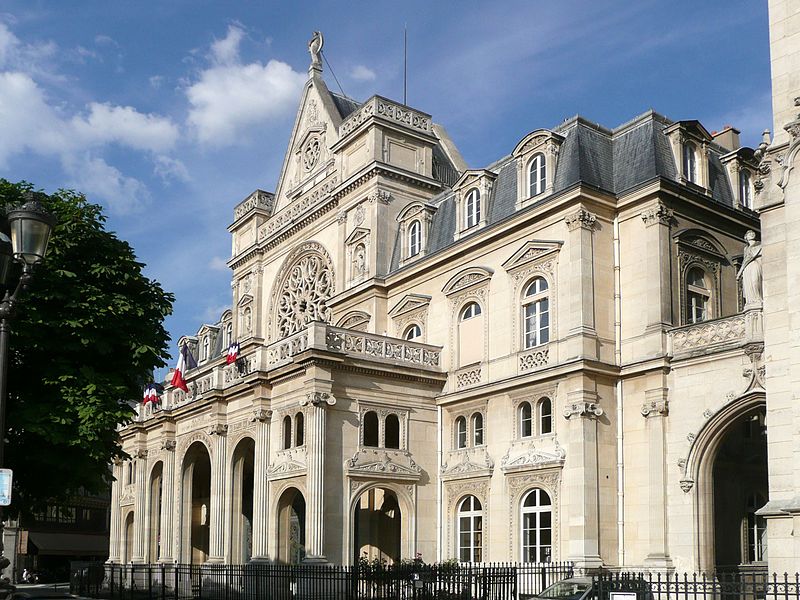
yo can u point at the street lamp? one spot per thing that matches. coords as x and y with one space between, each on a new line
30 226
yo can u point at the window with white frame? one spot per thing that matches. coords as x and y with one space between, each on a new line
470 530
698 295
412 332
477 429
228 336
545 410
536 313
690 161
471 310
525 419
461 432
470 335
472 208
537 175
755 533
414 238
468 433
206 347
536 526
745 195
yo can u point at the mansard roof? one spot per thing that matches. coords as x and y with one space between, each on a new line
614 160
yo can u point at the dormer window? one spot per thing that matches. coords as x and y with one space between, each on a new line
414 238
472 208
690 161
206 347
745 193
537 175
413 332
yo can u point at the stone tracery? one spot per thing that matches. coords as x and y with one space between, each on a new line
304 294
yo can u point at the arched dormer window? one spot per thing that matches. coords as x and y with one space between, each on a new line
461 432
536 313
477 429
414 238
412 332
698 295
206 347
299 430
228 336
545 416
537 175
287 432
745 194
690 161
472 208
525 420
371 429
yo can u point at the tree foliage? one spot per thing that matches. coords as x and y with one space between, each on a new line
87 335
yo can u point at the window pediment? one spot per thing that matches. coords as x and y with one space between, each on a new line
532 251
474 178
245 300
357 320
408 303
358 234
537 140
466 279
416 209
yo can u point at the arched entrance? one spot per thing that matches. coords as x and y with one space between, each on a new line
242 501
740 489
127 543
196 505
377 524
291 526
154 513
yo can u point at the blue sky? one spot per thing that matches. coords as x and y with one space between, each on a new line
170 113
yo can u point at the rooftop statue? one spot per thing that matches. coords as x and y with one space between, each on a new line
315 48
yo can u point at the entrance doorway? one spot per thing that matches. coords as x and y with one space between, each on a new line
242 501
377 526
291 527
196 508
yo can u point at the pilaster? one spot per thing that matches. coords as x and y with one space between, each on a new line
262 418
657 220
216 546
114 525
315 443
581 225
140 508
167 495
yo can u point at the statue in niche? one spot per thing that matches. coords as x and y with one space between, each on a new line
750 272
359 261
315 48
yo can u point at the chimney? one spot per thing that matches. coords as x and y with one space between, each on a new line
728 138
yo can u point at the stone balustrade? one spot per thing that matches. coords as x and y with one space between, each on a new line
715 335
387 110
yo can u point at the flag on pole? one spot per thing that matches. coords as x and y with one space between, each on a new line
151 393
233 353
185 362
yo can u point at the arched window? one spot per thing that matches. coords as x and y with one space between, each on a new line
470 335
477 429
690 162
473 309
287 432
745 197
392 432
414 238
470 530
698 295
299 430
206 347
537 178
371 429
412 332
472 208
536 313
525 420
461 432
536 527
228 336
545 416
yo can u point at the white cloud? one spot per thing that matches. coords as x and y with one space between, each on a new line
218 264
168 168
212 313
126 126
94 177
156 81
229 97
362 73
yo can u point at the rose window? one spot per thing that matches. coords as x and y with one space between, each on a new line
311 154
304 295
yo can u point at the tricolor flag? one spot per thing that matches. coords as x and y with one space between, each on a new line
150 394
185 362
233 353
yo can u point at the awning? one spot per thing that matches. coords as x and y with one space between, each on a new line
65 544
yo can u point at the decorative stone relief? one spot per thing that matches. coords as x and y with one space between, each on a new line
288 463
218 429
356 320
659 214
534 359
318 399
687 485
381 196
523 455
582 218
262 415
291 214
168 445
582 409
705 335
467 462
381 462
655 408
468 377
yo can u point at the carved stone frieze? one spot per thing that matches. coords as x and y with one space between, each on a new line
533 359
468 377
140 453
582 409
708 335
381 196
258 199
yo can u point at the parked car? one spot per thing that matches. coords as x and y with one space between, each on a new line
573 588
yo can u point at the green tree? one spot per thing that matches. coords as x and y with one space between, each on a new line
88 334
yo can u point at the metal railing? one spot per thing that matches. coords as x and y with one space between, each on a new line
417 581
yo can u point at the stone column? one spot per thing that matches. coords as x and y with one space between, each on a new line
583 521
167 503
655 410
657 220
581 259
114 525
262 418
140 517
216 545
315 444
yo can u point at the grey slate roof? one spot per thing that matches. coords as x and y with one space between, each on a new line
344 105
614 160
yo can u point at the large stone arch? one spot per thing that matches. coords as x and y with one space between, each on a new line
698 467
193 504
154 504
239 498
408 524
304 282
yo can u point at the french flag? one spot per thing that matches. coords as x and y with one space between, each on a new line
233 353
185 362
150 394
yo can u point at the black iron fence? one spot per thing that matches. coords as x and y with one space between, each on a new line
414 581
750 585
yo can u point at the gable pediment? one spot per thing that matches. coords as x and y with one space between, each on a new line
245 299
534 140
408 303
473 177
530 251
358 234
467 278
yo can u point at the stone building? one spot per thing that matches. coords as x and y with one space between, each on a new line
548 358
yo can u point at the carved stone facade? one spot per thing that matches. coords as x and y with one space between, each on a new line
540 361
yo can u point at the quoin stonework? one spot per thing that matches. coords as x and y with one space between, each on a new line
585 351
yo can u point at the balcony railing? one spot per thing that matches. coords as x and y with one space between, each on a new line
713 336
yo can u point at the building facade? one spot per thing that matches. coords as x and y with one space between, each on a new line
559 356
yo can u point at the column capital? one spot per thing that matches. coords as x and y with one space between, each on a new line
168 445
262 415
219 429
581 218
659 214
141 453
584 409
655 408
318 399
